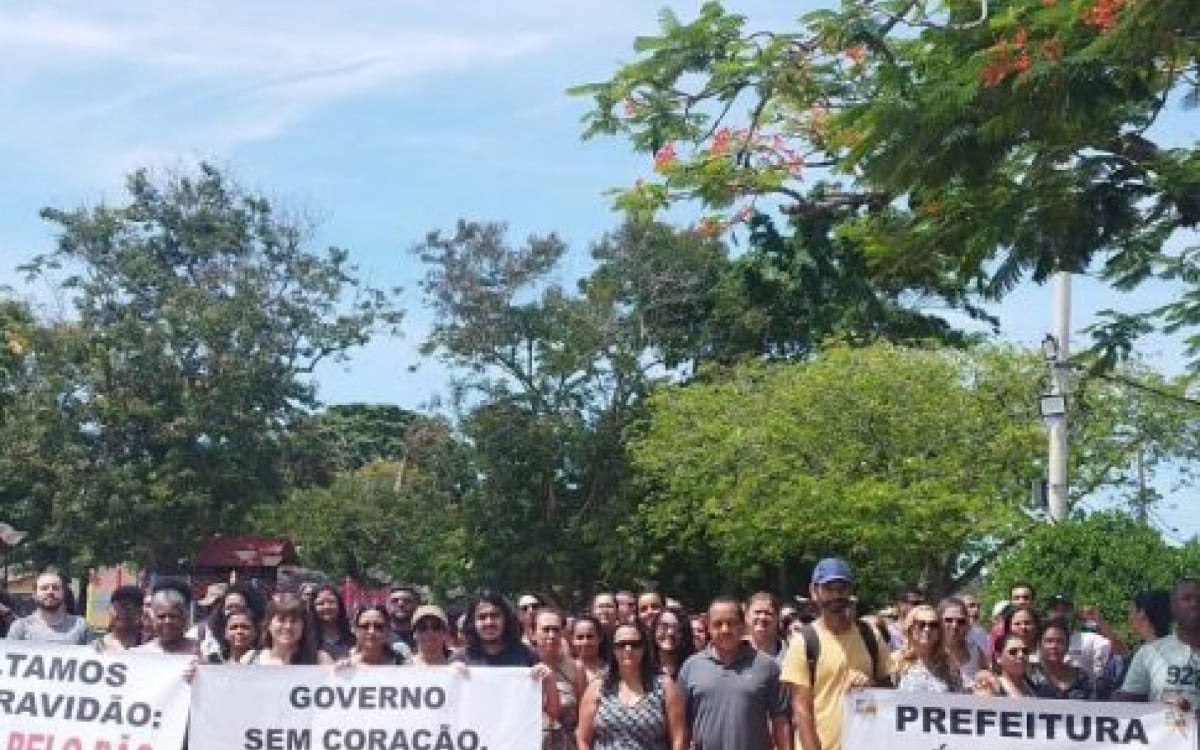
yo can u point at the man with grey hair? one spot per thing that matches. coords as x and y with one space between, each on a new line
51 622
170 601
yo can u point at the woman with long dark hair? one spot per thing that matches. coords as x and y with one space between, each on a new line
238 599
372 639
965 655
635 706
1010 677
334 634
672 641
1052 676
590 647
289 635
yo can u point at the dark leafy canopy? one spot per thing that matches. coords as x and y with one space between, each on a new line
959 153
200 314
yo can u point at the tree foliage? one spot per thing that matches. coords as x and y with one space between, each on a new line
200 315
957 153
1103 559
914 463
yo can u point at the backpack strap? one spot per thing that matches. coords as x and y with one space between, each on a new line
812 651
871 641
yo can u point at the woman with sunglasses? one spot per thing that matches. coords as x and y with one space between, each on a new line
431 629
1010 677
334 635
558 730
1023 622
922 665
372 639
635 706
964 654
1052 676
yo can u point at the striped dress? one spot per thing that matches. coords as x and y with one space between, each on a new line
642 726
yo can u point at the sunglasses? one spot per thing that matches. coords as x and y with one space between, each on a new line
628 645
926 624
426 626
1017 652
527 607
380 626
954 620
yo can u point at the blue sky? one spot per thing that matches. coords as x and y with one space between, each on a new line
383 118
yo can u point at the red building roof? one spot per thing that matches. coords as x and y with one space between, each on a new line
245 552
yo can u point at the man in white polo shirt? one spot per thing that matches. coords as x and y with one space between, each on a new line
1168 670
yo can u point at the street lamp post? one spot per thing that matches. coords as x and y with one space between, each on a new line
1056 348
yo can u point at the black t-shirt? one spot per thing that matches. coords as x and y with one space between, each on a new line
518 655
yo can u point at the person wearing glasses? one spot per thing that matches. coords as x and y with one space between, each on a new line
904 604
1010 676
372 639
403 601
923 665
527 609
634 706
431 628
965 655
558 730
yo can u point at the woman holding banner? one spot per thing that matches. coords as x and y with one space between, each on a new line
431 629
334 634
923 665
290 636
1052 676
372 634
1011 678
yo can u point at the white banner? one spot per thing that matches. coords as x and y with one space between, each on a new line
897 720
71 698
365 708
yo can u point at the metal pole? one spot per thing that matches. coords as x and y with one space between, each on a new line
1060 384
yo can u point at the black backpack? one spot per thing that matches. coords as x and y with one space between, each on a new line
812 647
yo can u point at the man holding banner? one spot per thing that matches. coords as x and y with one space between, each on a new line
832 659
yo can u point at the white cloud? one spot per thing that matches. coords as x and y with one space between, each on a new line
97 92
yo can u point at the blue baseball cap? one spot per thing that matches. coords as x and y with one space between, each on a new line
832 569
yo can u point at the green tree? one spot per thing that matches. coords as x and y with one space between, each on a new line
371 526
550 379
916 464
958 153
200 316
1103 559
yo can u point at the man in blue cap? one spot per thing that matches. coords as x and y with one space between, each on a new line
837 653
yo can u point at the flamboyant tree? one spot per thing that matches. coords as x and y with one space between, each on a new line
959 146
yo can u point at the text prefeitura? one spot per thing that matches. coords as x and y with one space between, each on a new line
1022 725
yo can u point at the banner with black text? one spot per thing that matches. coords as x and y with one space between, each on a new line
365 708
927 721
71 698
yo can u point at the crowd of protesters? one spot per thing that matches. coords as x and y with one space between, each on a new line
639 671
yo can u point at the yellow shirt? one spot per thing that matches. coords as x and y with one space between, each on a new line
840 652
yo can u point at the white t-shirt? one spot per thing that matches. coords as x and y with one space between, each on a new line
1165 669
